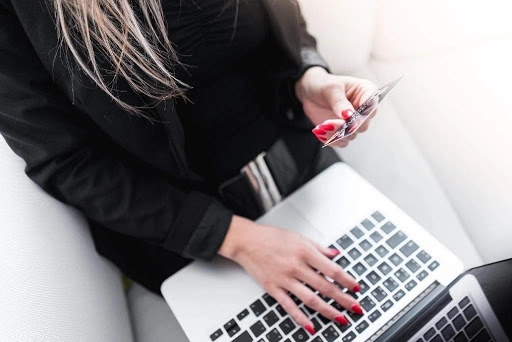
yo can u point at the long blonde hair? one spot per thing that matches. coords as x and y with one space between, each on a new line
136 45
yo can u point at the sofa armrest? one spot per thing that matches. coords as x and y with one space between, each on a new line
54 285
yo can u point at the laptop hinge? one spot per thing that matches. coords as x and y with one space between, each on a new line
412 318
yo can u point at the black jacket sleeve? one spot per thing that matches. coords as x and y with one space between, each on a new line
301 56
72 160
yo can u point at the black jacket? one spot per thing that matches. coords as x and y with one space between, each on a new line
127 175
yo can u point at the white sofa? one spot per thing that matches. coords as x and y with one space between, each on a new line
439 148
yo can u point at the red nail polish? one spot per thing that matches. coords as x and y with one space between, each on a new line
356 288
334 252
318 131
347 114
310 329
321 138
327 127
341 320
357 309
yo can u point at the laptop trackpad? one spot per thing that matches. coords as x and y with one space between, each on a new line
286 216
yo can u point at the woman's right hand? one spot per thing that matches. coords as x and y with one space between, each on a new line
283 262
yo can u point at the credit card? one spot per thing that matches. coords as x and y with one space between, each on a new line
363 113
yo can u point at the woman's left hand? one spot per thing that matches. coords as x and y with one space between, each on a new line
328 100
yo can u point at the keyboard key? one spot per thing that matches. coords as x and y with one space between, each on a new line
216 335
271 318
410 285
409 248
460 338
364 287
376 236
396 259
399 295
390 284
448 333
483 336
387 305
464 302
287 326
474 327
378 216
441 323
350 337
316 324
469 312
368 224
354 253
370 259
300 335
373 277
359 268
281 311
317 339
258 328
423 256
330 334
269 300
355 317
343 262
345 241
396 239
242 314
274 336
429 334
357 232
459 322
362 326
343 328
367 303
232 328
365 245
433 265
324 319
453 312
388 227
402 275
374 316
244 337
381 250
379 294
384 268
413 266
437 338
422 275
295 299
258 308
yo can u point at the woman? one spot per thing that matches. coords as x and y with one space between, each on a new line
142 113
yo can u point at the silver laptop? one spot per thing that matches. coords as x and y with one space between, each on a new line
404 272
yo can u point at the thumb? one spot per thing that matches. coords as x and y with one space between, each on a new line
338 101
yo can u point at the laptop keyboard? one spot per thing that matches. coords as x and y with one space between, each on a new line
460 324
387 265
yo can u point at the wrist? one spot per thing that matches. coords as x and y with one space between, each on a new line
303 83
235 238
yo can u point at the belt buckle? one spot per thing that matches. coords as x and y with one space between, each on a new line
262 182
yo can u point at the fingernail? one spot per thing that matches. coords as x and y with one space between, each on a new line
341 320
334 252
347 114
357 309
327 127
321 138
318 131
356 288
310 329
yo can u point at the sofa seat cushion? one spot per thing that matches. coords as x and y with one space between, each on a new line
456 106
